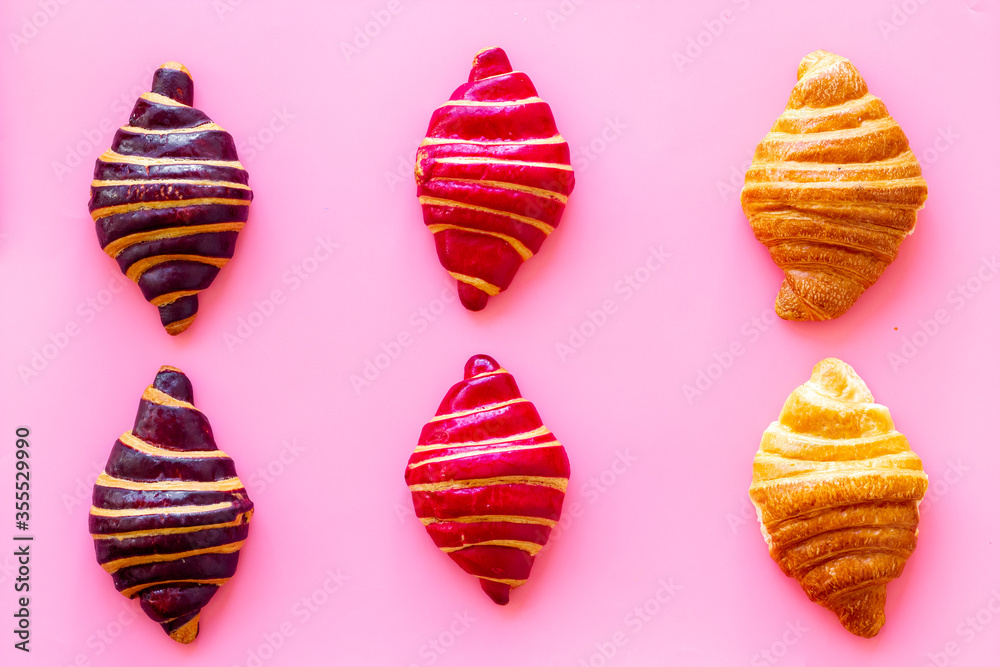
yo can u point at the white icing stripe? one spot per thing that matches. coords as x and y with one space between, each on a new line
156 98
505 185
170 182
531 547
478 283
204 127
481 408
155 511
543 227
167 203
527 435
558 483
491 518
493 103
501 162
135 590
438 141
518 247
489 452
154 395
113 566
144 447
227 484
116 157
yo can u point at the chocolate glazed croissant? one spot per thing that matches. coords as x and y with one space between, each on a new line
832 191
493 177
169 198
488 478
836 488
169 515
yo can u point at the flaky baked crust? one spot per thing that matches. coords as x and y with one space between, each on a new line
832 191
836 488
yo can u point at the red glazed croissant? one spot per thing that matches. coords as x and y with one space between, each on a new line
833 190
169 515
169 198
488 479
493 177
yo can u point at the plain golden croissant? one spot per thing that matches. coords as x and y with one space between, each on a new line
832 191
836 488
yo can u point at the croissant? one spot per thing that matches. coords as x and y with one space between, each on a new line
493 177
488 478
169 515
169 198
836 488
832 190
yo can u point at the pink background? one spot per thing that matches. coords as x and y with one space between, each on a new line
659 151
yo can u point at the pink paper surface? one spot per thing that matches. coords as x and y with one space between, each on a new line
658 559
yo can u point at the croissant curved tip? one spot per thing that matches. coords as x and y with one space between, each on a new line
838 379
187 632
179 326
814 60
863 612
488 62
498 592
472 298
172 382
174 65
479 364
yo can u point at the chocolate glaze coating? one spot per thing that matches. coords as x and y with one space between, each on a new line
169 197
150 531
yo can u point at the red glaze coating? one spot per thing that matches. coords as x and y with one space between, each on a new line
488 479
493 177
